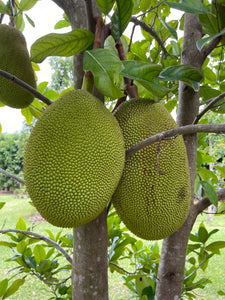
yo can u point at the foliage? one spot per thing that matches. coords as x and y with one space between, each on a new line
11 158
153 63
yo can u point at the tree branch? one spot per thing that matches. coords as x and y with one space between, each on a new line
152 32
49 282
25 86
41 237
12 175
203 203
212 101
206 50
90 16
173 133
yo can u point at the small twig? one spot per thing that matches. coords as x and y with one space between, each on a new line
208 107
129 273
49 282
34 221
196 269
40 237
183 130
152 32
12 176
197 284
25 86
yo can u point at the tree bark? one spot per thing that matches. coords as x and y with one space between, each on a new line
90 266
172 261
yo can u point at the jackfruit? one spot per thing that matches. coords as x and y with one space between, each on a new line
14 59
74 159
154 193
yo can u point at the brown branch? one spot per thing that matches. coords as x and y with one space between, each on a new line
207 49
184 130
25 86
40 237
152 32
211 101
203 203
12 176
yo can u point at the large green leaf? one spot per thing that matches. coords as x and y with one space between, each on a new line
27 4
216 246
201 43
171 30
13 287
186 73
2 204
105 5
209 23
121 17
65 44
210 192
21 225
189 6
105 67
138 70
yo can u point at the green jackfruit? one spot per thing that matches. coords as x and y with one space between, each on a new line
154 193
74 159
14 59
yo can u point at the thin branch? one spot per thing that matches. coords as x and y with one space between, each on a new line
152 32
128 273
49 282
197 284
25 86
43 238
206 50
184 130
205 202
196 269
12 175
208 107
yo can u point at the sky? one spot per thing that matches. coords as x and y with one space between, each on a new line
44 14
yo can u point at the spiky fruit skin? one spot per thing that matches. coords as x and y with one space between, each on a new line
151 204
73 160
14 59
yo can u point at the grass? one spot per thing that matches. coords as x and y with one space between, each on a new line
33 289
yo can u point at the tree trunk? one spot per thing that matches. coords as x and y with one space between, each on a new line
172 261
90 266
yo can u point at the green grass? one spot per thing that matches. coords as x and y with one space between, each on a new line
33 289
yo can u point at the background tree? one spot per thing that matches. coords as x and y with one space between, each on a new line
157 63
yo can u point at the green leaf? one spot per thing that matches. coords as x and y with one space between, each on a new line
51 235
189 6
21 247
201 43
30 20
221 209
44 266
209 23
26 112
139 70
171 30
221 293
30 261
2 203
64 44
105 67
13 287
21 225
202 233
39 253
62 24
3 286
27 4
215 247
35 109
157 89
105 5
186 73
4 9
121 17
116 268
210 192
